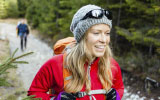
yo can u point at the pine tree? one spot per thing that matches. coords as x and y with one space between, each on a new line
140 24
11 62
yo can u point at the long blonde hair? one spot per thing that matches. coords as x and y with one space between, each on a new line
76 59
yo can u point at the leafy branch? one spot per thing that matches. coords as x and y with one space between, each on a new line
11 63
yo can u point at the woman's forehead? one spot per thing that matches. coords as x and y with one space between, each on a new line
100 27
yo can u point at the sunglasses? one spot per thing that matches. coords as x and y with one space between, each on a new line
98 13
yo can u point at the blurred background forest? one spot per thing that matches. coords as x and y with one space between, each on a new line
135 33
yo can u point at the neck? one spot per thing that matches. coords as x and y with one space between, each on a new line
92 60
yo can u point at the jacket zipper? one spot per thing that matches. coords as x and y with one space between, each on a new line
89 77
88 70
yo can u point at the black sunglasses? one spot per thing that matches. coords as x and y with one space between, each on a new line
98 13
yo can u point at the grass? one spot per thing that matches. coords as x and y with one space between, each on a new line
4 50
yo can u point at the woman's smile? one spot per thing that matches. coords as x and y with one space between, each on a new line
100 48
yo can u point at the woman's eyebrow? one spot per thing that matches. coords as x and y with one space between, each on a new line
99 30
95 30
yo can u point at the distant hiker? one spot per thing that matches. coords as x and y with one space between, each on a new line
22 31
86 69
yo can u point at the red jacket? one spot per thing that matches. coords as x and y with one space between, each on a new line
50 75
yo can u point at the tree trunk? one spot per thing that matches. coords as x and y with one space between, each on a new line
150 50
119 14
118 21
107 2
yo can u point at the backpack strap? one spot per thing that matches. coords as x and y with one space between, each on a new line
66 74
82 94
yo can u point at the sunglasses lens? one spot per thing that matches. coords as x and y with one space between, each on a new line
97 13
109 15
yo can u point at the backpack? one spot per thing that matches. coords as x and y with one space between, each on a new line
61 47
62 44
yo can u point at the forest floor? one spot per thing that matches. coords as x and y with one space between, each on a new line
136 87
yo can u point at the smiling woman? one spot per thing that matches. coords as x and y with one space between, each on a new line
98 37
87 70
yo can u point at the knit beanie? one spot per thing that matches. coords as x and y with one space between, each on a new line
78 27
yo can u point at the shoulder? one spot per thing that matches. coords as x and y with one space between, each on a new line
25 25
53 66
117 77
49 75
56 59
55 62
114 63
115 67
19 25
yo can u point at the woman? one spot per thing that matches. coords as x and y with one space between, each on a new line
87 71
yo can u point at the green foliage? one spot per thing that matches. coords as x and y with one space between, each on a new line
3 82
12 9
12 97
153 32
2 9
10 63
22 7
141 65
140 24
137 37
31 98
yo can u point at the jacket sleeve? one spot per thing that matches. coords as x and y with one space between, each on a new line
41 84
117 78
44 80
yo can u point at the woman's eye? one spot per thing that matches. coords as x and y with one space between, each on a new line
107 34
96 33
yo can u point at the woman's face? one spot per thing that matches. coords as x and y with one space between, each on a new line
98 36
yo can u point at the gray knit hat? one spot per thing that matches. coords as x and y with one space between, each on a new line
79 27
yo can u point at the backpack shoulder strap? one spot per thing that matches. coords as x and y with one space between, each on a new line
66 74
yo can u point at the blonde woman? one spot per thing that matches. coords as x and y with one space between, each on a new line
87 70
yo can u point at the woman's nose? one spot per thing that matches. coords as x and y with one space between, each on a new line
103 38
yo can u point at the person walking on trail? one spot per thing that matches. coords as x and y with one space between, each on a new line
22 32
87 69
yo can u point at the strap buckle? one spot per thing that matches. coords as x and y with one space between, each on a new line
80 94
